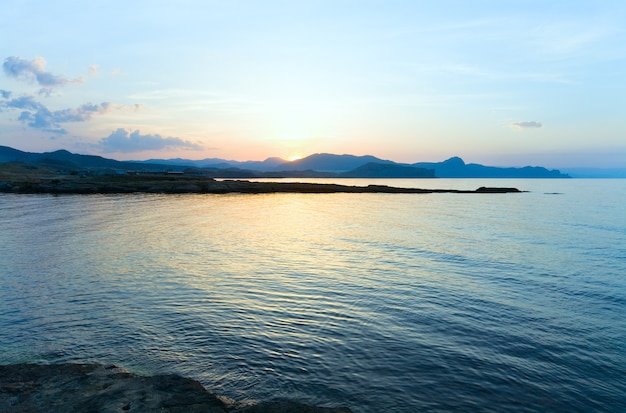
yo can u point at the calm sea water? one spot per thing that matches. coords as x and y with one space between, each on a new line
379 302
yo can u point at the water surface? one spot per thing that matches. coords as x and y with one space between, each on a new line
394 302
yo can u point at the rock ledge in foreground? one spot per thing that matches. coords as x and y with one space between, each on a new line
62 388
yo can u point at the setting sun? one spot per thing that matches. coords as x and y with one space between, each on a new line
294 158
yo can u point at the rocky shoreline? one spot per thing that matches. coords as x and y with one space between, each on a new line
62 388
195 185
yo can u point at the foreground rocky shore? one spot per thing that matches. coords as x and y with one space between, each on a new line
164 184
95 388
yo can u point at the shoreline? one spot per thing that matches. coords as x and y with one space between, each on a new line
70 184
60 388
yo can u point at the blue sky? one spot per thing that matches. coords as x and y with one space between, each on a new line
496 82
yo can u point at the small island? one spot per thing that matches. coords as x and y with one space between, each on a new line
26 179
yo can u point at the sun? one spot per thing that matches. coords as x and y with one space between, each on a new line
294 158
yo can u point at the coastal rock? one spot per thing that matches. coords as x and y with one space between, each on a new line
496 190
62 388
23 181
130 185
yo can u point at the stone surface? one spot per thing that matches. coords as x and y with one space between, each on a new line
62 388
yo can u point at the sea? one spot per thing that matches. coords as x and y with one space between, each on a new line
378 302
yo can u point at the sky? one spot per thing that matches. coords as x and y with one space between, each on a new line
498 82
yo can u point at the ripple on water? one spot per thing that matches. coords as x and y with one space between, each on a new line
375 302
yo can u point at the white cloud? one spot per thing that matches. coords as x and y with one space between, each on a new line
37 115
527 124
34 70
123 140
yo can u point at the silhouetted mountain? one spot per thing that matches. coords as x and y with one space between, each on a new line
455 167
56 158
326 162
380 170
179 161
269 164
248 173
13 155
63 159
315 166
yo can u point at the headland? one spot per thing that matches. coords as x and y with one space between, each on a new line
25 180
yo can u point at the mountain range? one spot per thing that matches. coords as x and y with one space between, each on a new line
317 165
368 166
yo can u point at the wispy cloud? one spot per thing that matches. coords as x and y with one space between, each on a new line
123 140
527 124
36 115
35 70
195 100
24 102
573 38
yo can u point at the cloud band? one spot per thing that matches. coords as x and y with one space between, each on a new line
123 140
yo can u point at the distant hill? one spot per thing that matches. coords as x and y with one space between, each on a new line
380 170
63 159
270 164
58 158
314 166
455 167
13 155
326 162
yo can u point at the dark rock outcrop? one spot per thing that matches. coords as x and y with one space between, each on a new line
95 388
23 180
496 190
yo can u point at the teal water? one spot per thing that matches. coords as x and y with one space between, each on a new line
378 302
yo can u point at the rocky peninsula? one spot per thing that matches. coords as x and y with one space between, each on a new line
42 181
63 388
